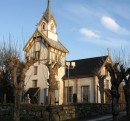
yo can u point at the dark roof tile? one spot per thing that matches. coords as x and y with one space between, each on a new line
86 67
55 44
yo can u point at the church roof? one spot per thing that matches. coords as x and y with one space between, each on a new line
48 13
86 67
50 42
55 44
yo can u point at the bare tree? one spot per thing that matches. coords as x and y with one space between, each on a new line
53 71
10 62
117 73
127 91
11 72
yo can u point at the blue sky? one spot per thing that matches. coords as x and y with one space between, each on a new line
85 27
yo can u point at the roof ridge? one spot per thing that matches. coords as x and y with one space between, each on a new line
89 58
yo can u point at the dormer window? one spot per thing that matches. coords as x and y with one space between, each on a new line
52 27
43 26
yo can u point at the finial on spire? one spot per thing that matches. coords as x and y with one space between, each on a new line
108 50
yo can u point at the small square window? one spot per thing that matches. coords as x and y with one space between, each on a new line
34 83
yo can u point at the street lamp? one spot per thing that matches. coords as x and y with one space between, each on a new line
69 65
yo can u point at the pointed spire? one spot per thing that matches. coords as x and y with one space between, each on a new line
108 50
48 4
48 13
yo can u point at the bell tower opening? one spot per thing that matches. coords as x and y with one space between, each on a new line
47 24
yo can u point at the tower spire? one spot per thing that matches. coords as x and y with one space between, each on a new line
48 4
48 13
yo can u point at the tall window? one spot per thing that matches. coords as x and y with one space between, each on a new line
37 55
43 26
69 94
52 27
85 93
34 83
35 70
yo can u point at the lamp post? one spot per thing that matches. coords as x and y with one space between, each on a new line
69 65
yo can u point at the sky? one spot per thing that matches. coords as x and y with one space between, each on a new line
85 27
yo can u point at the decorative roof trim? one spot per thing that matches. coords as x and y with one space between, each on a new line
46 39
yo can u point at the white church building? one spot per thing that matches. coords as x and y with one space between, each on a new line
45 47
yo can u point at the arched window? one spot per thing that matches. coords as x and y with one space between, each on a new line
43 26
52 27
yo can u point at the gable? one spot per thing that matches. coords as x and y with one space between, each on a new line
31 42
102 69
52 43
44 20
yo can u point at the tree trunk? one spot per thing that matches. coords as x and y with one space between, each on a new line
128 106
53 70
17 97
102 97
115 110
52 97
127 99
17 105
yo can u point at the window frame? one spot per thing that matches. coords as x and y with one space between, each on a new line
52 27
43 26
88 94
37 55
35 70
70 94
34 83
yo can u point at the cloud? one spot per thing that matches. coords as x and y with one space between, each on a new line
115 43
89 33
112 25
93 37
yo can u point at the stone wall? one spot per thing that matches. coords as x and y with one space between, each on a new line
57 113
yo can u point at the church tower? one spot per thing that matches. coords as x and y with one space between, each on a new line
45 48
47 24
